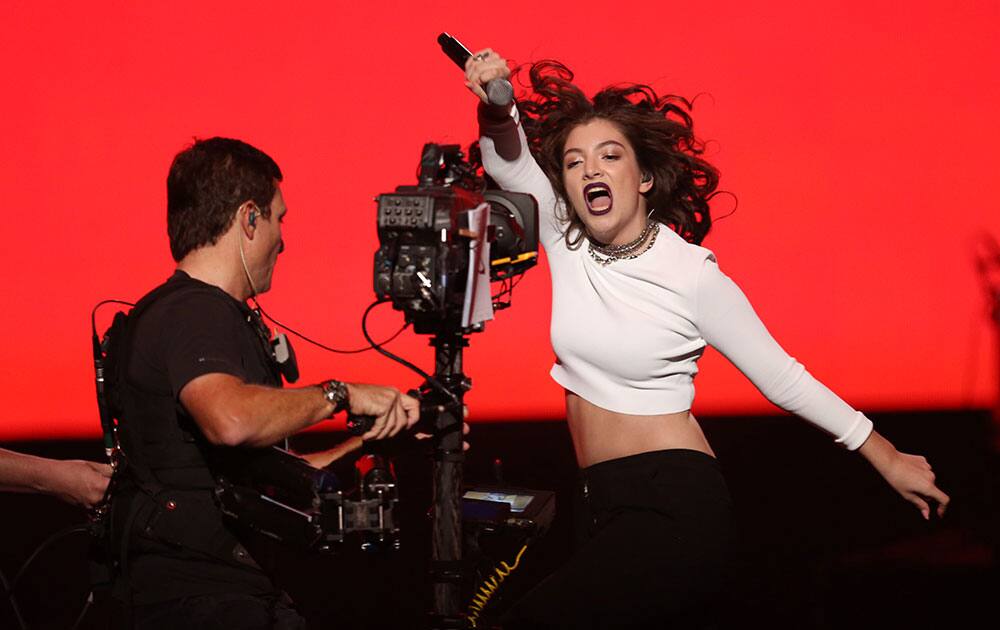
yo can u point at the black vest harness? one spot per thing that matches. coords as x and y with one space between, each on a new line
164 494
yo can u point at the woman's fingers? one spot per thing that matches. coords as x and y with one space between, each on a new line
924 488
483 67
486 54
477 90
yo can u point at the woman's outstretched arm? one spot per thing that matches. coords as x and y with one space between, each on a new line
728 323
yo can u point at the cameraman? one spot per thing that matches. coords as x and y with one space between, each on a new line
199 386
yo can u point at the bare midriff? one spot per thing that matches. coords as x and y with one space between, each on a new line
600 435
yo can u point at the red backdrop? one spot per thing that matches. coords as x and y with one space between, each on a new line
860 139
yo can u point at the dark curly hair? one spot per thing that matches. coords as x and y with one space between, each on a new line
207 182
659 128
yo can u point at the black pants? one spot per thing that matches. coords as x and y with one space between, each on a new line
219 612
654 531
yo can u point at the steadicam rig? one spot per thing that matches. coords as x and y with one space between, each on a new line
441 243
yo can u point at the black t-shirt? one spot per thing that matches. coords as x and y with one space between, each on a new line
192 330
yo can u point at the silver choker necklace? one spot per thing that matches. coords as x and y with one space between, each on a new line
604 255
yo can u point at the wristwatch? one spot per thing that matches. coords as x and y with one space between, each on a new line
336 394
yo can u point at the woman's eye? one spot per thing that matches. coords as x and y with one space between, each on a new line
611 156
570 165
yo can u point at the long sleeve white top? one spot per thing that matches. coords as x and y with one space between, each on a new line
627 336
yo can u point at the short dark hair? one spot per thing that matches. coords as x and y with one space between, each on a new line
207 182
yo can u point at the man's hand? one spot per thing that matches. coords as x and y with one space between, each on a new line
465 429
393 410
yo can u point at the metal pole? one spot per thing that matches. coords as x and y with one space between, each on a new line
446 548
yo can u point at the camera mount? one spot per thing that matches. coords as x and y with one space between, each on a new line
434 242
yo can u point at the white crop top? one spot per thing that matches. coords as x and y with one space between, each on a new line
628 336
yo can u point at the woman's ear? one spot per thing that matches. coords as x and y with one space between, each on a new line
646 184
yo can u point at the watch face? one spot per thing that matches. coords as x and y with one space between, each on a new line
328 391
335 392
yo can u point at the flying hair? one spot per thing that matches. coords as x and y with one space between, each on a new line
659 128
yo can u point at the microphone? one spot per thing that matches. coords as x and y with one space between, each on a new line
498 91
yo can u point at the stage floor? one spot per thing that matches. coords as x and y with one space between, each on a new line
822 543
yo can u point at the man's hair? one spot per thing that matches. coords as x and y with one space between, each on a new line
207 182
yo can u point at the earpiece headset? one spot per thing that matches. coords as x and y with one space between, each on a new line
252 218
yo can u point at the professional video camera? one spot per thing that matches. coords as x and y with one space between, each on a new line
431 235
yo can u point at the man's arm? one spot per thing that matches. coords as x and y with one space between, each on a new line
75 481
231 412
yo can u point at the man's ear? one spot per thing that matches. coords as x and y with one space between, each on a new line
247 215
646 184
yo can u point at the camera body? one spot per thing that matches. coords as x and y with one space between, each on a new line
281 496
424 232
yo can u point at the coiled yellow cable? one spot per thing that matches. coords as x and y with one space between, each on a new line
490 586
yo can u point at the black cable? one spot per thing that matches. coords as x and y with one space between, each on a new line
86 606
505 288
502 299
325 347
45 543
378 348
13 602
93 326
93 313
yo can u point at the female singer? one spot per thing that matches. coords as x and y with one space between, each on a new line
623 194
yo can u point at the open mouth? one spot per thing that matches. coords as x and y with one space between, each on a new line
598 198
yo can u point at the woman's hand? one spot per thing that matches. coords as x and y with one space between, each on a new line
483 67
910 475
